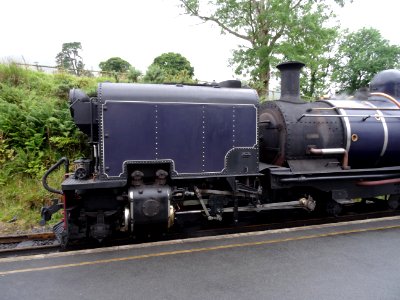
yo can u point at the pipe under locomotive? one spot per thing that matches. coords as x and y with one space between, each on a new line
160 151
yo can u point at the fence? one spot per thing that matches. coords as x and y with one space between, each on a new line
38 67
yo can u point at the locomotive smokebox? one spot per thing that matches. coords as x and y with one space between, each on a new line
290 81
286 135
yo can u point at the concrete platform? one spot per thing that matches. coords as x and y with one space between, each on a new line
353 260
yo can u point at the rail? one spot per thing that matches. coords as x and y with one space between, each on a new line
27 242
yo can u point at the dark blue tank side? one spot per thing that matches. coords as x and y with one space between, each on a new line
194 137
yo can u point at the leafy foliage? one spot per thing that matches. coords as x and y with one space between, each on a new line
69 59
36 129
361 55
134 74
266 27
174 66
313 44
154 74
115 66
35 123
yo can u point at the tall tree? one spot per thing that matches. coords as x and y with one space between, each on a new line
316 48
69 58
263 25
115 66
361 55
174 65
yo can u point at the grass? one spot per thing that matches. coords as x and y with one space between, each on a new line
36 129
21 200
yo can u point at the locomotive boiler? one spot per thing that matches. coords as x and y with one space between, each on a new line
336 149
161 151
359 133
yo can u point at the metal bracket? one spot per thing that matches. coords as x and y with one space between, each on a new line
47 211
203 205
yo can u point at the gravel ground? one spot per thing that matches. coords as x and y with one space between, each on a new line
15 229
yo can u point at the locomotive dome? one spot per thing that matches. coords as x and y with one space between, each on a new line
387 82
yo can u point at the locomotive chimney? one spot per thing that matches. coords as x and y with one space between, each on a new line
290 81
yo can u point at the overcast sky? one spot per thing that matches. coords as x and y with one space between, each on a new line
140 30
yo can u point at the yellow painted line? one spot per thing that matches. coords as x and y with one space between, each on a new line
195 240
194 250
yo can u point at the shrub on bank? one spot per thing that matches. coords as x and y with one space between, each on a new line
36 129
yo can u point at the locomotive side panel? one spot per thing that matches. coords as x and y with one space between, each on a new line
196 138
123 135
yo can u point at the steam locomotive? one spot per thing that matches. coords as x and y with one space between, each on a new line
163 151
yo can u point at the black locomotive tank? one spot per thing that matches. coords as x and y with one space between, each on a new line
287 135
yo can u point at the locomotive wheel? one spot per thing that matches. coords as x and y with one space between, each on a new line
333 208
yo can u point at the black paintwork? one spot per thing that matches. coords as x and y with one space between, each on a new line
84 112
175 93
285 135
290 81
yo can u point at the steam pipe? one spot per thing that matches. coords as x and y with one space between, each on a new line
329 151
393 100
303 179
346 116
53 167
379 182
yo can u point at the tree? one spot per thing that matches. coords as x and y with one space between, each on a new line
115 66
316 48
154 74
134 74
264 26
361 55
173 65
69 59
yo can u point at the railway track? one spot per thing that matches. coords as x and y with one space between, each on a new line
39 243
264 221
280 220
27 243
286 224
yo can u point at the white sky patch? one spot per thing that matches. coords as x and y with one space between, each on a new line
140 30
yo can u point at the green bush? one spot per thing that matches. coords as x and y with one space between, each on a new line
36 127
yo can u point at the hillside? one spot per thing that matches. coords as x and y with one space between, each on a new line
36 129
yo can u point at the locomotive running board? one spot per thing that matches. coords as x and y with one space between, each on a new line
342 184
